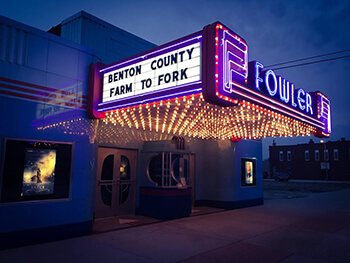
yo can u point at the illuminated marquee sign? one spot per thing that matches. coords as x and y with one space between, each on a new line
173 69
213 62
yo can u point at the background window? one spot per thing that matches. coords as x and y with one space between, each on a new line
317 155
326 155
335 155
289 156
307 155
281 156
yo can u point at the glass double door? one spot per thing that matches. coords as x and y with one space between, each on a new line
115 182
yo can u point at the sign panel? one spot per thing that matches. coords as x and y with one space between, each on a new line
164 72
171 69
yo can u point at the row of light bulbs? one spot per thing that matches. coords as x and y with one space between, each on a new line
192 116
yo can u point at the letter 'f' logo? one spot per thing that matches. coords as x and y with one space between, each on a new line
235 62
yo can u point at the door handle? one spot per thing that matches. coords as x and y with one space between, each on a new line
125 181
107 182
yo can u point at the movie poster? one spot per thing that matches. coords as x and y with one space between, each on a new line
249 172
39 172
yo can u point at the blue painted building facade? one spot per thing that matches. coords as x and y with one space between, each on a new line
43 99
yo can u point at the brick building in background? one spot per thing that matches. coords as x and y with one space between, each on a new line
312 161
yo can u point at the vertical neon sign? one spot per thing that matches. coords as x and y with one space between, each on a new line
324 114
235 59
226 58
232 55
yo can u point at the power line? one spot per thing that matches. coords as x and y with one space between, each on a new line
313 62
302 59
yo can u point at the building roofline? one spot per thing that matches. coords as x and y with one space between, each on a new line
105 24
44 34
342 140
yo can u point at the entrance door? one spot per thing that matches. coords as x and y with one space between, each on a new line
192 176
115 182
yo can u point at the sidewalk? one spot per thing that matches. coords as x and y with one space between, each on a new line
315 228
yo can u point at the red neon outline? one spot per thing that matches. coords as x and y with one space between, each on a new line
41 87
62 104
221 96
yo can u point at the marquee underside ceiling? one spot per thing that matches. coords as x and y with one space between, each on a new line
193 117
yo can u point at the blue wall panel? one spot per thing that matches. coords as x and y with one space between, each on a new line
34 95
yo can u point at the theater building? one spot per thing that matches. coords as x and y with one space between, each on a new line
97 123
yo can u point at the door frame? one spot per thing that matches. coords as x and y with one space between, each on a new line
193 177
115 209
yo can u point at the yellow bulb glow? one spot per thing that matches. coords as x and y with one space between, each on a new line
192 116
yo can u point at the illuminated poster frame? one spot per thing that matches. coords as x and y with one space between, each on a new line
227 79
17 162
248 172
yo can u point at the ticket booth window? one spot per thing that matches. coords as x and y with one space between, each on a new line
168 169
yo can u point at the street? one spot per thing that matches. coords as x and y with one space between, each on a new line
299 188
314 228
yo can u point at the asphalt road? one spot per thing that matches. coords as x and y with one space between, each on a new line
300 188
315 228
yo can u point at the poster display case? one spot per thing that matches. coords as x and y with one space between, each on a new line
35 170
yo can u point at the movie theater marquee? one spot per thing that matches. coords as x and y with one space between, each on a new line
213 62
174 68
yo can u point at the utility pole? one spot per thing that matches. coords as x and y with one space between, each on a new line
325 159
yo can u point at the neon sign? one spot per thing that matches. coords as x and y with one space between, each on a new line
213 62
323 113
279 88
235 60
226 62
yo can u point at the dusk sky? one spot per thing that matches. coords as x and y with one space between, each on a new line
276 31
